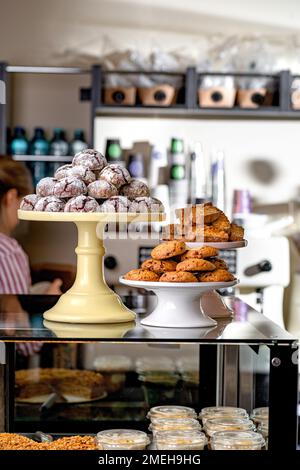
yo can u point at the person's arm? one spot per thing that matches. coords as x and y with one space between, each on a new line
14 274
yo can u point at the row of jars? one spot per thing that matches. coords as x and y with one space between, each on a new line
224 428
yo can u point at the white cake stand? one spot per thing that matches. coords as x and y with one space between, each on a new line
213 304
179 303
219 245
89 300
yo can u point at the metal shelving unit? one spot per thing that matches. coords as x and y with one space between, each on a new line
42 158
5 71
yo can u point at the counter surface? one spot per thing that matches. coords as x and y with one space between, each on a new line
246 326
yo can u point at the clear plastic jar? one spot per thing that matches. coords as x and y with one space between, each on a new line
222 412
263 428
113 364
227 424
122 439
180 440
181 424
240 440
260 414
171 412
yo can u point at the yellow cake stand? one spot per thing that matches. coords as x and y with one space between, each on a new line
90 300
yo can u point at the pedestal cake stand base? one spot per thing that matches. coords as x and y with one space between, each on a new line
89 300
178 304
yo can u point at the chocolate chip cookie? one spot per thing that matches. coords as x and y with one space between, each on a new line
159 266
168 250
178 276
222 223
195 264
219 275
141 275
203 252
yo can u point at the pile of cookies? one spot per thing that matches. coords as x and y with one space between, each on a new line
172 261
203 223
89 184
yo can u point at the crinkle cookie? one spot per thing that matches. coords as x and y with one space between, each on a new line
116 175
101 189
81 172
50 204
69 187
91 159
167 250
28 202
82 204
45 187
134 189
148 204
117 204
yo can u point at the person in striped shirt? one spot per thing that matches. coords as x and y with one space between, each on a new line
15 183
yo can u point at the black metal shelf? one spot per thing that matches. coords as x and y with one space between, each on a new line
42 158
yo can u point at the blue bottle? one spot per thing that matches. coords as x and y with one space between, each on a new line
19 144
39 146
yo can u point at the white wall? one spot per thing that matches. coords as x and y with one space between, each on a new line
43 32
244 142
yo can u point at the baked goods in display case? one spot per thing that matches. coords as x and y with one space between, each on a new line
83 384
203 223
90 184
10 441
172 261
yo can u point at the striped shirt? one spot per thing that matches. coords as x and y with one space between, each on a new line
14 267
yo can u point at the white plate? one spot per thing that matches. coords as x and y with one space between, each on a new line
220 245
195 285
71 399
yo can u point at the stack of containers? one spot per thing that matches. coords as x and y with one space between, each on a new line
229 428
260 416
176 428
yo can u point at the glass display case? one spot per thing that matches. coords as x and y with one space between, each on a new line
89 378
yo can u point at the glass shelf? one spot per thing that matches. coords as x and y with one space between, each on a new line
247 326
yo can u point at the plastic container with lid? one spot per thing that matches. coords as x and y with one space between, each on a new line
227 424
211 412
171 412
237 440
181 424
263 428
122 439
260 414
180 440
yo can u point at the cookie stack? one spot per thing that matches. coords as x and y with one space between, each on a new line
172 261
203 223
89 184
